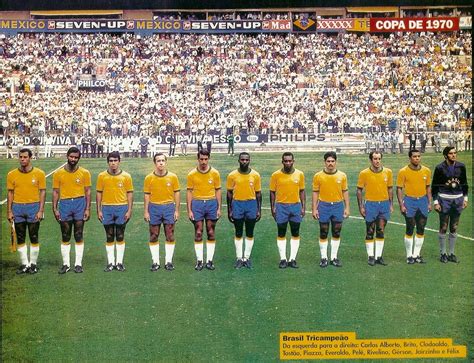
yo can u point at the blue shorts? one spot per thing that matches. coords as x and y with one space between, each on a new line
25 212
72 209
161 213
114 214
204 209
377 210
451 206
288 212
244 209
331 211
416 204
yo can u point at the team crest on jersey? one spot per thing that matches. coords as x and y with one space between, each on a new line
295 181
33 181
251 183
210 181
338 181
78 180
168 184
120 185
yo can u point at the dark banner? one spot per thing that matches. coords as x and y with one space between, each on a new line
234 26
304 26
146 26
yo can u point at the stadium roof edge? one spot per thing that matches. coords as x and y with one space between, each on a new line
76 12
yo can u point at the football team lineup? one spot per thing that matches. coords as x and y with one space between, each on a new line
330 206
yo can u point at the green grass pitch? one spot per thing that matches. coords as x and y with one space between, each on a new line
229 315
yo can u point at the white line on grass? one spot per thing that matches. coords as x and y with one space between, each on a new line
59 167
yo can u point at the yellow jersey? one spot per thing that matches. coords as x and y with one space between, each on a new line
376 184
71 184
114 188
244 186
287 187
330 186
203 185
26 186
161 188
414 182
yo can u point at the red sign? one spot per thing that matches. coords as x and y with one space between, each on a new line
414 24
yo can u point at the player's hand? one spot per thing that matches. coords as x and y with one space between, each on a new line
10 217
391 208
176 215
362 211
347 213
229 216
464 204
128 215
57 215
316 214
191 216
430 207
39 216
403 209
437 208
274 214
259 215
146 216
87 215
303 212
219 213
100 216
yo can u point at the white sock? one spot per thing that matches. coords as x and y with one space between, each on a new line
294 247
65 252
409 245
23 252
199 249
442 242
169 251
155 252
452 242
248 247
120 251
239 244
369 247
210 247
419 239
282 248
379 243
79 248
34 252
110 248
335 242
323 248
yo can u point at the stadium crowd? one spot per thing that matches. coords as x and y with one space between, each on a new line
219 84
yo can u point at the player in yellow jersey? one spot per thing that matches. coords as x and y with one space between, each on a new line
71 206
26 191
203 200
330 206
244 207
414 198
377 182
287 202
161 193
114 199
